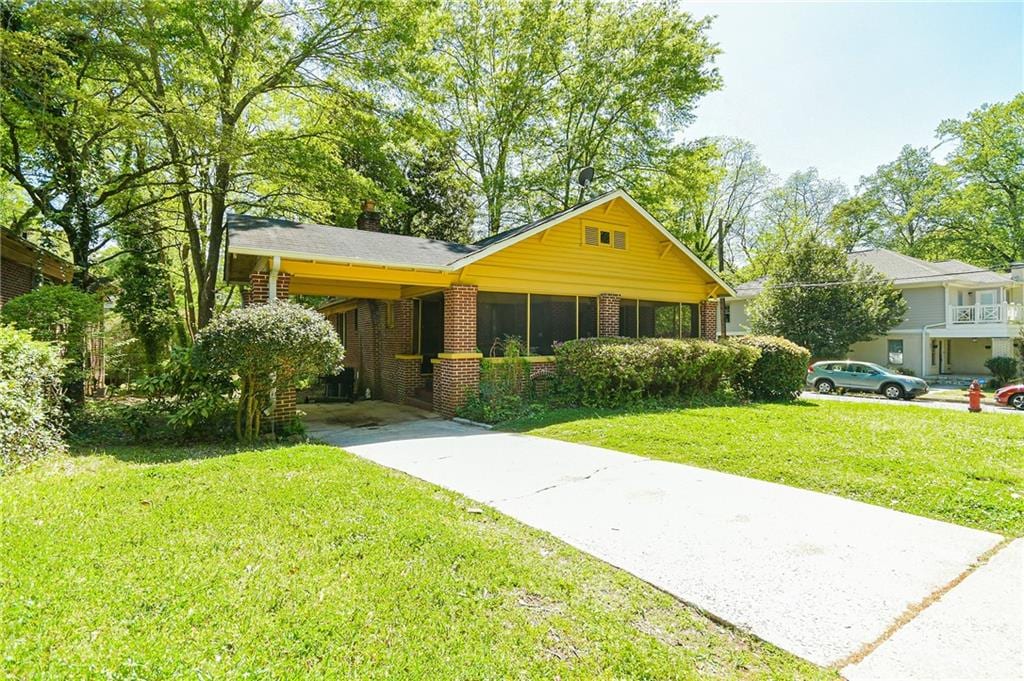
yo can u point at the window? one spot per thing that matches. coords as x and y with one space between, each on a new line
728 313
896 351
606 237
340 322
499 315
552 320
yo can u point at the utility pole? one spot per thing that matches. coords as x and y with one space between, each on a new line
721 269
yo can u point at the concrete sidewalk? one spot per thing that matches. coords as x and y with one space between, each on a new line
820 576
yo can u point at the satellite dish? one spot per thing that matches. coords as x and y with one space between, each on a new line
586 176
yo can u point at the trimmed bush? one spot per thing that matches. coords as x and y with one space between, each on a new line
779 372
612 372
267 347
30 398
1004 369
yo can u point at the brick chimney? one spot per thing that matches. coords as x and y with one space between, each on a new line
369 219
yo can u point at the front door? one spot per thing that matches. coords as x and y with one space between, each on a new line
431 331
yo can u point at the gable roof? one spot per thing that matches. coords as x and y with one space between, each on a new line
904 270
268 237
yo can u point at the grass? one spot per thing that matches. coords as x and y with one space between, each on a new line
955 466
305 561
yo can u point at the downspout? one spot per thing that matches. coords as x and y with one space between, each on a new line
275 268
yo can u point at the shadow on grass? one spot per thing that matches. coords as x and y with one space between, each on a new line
168 453
558 415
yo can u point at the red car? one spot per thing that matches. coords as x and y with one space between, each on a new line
1011 396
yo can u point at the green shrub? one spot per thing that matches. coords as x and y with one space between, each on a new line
506 389
612 372
779 372
1004 369
197 399
60 314
267 347
30 398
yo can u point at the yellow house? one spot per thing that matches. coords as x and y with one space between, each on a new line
418 316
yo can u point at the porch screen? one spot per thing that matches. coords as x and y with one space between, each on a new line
627 318
659 320
499 315
689 322
588 317
552 320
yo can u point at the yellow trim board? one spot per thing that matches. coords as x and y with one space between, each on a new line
460 355
532 359
419 357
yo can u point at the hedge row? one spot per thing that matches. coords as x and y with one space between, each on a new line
30 398
613 372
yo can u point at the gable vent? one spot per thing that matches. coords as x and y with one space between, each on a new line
620 241
590 236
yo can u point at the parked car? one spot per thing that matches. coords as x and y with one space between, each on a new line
825 377
1011 396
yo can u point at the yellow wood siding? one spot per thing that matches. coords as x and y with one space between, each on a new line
557 261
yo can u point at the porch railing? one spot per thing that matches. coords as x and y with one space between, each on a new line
999 313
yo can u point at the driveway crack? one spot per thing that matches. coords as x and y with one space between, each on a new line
564 482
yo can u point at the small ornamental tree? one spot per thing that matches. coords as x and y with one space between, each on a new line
817 298
63 315
267 347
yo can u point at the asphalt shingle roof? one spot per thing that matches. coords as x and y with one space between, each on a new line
340 243
902 270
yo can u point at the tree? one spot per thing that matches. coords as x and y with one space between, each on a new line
495 61
720 180
895 206
72 140
984 215
435 201
816 297
268 347
61 315
797 210
627 80
223 80
145 299
536 91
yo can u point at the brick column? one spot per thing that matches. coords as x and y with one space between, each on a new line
709 320
608 314
259 294
457 372
259 287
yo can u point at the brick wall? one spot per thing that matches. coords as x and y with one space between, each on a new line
400 377
15 280
259 294
608 314
455 379
709 320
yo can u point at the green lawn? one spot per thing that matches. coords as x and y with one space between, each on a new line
157 563
956 466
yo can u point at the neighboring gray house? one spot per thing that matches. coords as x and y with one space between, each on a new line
957 317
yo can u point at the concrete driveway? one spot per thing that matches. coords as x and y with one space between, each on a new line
823 577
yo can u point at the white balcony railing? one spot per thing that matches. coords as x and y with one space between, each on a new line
1000 313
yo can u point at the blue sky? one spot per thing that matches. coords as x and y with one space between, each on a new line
843 85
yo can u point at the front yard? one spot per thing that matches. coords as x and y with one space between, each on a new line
955 466
305 561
